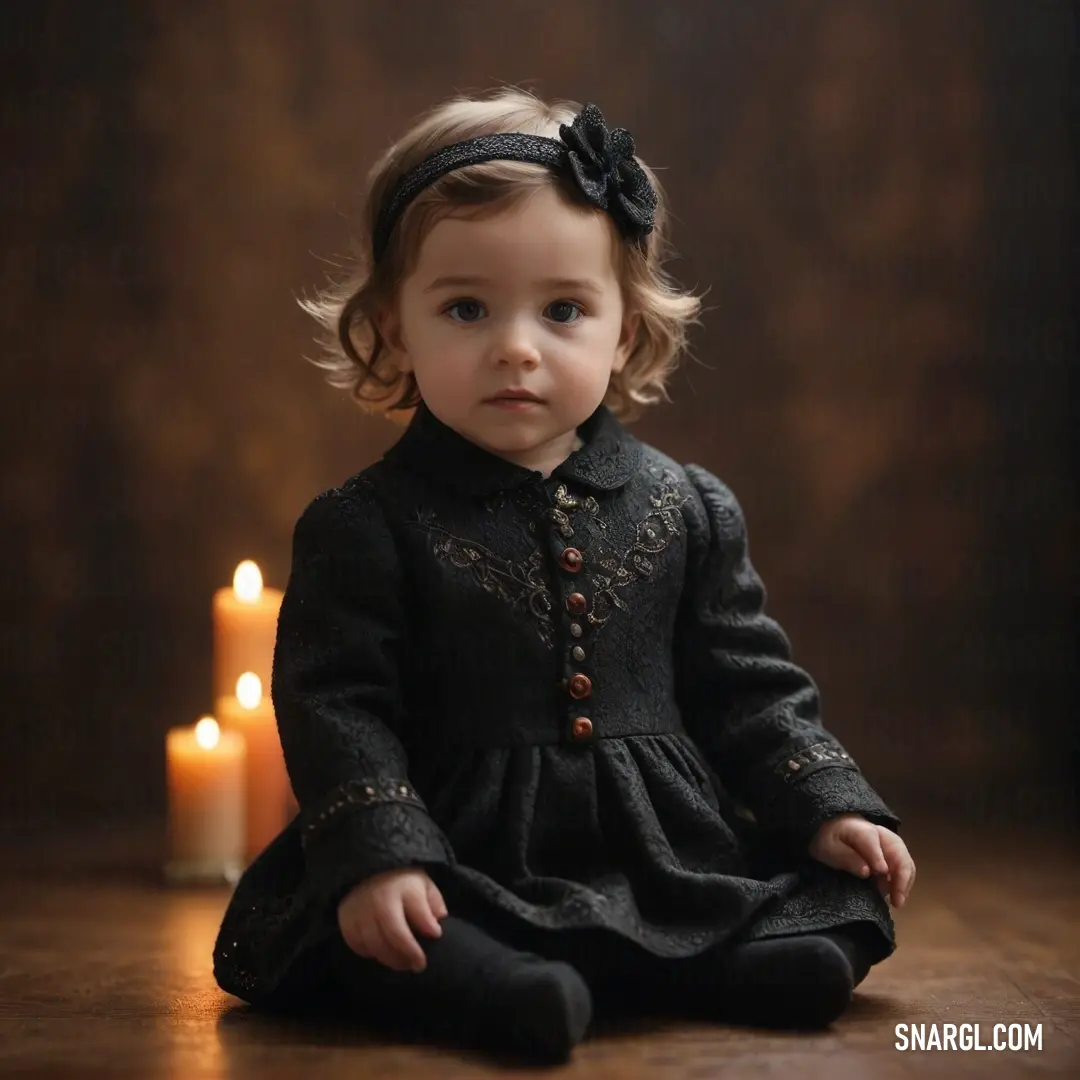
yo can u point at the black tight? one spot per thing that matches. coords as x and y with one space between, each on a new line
536 999
475 991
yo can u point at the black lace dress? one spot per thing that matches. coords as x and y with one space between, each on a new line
561 697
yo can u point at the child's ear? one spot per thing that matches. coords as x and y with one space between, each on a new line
628 339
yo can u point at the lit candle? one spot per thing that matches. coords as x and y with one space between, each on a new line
205 781
266 780
245 625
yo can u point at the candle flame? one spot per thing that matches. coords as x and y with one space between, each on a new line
207 733
249 690
248 582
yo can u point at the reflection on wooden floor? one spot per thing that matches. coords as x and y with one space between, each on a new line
105 974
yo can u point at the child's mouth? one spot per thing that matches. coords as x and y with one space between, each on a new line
514 403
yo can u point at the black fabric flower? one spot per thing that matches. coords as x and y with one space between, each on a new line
603 165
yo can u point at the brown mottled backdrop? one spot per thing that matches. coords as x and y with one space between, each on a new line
879 194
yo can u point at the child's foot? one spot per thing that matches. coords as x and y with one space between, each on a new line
801 981
548 1009
474 992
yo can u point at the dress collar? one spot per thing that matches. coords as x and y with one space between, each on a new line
608 458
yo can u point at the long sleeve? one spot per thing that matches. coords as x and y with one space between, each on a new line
335 692
754 713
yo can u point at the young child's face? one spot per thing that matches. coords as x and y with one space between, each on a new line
526 299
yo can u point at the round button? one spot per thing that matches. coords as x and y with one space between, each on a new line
571 560
577 652
582 727
576 603
580 686
575 629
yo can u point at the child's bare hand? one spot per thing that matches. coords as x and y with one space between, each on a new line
378 916
850 842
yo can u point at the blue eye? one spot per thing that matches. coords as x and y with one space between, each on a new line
467 310
564 311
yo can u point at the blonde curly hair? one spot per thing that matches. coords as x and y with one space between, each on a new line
355 356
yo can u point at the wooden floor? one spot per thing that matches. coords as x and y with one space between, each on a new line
104 973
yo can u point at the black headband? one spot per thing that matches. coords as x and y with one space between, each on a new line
600 162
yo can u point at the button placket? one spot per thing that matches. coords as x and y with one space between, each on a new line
571 560
578 685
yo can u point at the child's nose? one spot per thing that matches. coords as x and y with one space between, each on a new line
514 345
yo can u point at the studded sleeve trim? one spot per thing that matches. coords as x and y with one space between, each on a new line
799 764
754 713
355 795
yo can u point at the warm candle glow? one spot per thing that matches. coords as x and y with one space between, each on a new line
205 779
207 733
246 710
244 616
249 690
248 582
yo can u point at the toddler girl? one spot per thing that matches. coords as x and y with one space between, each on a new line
549 750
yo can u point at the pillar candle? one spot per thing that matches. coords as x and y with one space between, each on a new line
205 782
245 625
249 713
